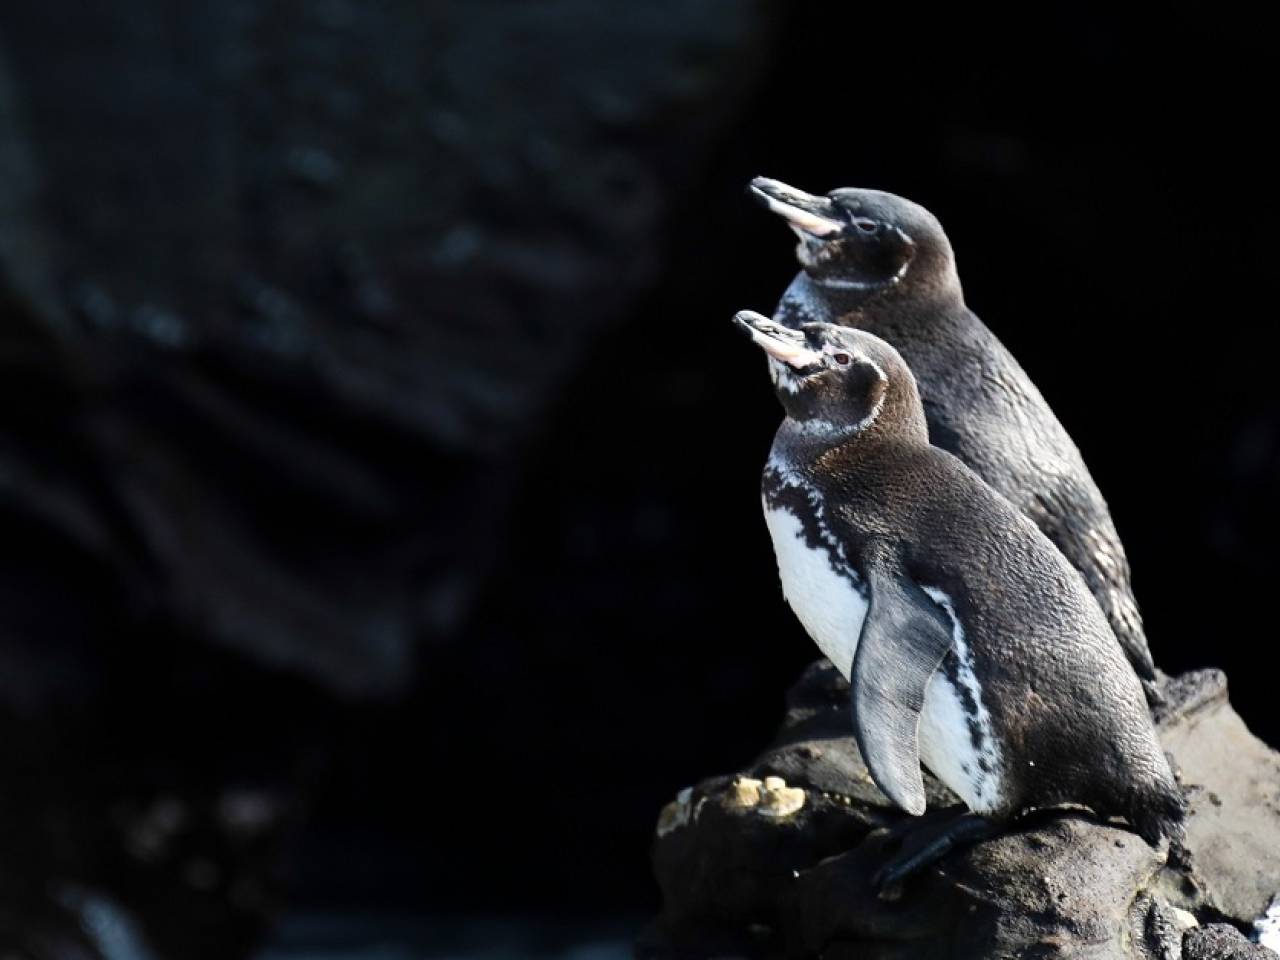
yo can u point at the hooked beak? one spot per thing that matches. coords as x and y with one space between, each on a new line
806 214
781 343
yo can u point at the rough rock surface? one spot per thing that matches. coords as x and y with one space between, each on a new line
1220 941
740 880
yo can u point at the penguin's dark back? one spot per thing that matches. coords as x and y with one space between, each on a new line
981 406
979 402
1054 678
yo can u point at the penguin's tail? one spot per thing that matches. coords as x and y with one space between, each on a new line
1159 813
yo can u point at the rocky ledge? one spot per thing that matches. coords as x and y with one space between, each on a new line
777 860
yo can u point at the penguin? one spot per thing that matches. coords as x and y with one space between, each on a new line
970 643
883 264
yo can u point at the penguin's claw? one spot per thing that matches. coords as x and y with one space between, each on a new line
888 880
967 828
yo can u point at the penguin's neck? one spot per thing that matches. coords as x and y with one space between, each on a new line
800 444
888 313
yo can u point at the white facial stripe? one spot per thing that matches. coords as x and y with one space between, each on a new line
863 358
874 412
811 223
844 283
785 378
825 429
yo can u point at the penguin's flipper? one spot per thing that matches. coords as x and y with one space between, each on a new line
904 637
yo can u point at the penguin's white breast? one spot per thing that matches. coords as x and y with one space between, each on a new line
956 738
826 601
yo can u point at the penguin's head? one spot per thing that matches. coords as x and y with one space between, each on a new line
864 241
834 381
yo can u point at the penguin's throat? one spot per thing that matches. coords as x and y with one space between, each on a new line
811 420
786 379
817 256
816 434
825 262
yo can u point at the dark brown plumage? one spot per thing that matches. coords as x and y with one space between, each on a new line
913 524
880 263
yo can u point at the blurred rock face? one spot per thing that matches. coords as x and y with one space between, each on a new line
320 266
285 289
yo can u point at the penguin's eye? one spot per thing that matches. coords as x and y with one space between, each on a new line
843 359
865 226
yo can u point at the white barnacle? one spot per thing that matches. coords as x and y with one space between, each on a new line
744 792
778 800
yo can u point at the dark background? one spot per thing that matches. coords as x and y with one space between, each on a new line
377 463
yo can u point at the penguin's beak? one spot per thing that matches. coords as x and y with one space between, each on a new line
781 343
807 215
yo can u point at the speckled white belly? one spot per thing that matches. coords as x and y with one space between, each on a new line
832 610
826 602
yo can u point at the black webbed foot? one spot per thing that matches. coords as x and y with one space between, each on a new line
929 843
